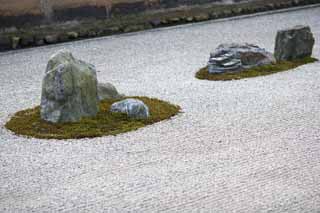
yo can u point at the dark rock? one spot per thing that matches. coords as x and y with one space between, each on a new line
155 22
174 20
109 31
294 43
63 37
277 6
27 40
83 33
5 43
69 89
134 108
38 40
237 57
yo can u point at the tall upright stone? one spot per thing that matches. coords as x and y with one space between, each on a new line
69 89
294 43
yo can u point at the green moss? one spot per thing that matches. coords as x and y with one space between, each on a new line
281 66
29 123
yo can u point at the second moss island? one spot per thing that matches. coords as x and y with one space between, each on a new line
29 123
203 73
234 61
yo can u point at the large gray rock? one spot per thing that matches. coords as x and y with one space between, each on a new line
294 43
134 108
237 57
107 91
69 89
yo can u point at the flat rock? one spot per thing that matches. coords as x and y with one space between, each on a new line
51 39
294 43
134 108
155 22
237 57
69 89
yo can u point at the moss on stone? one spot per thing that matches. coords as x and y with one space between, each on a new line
29 123
281 66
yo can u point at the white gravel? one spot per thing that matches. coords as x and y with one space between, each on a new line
240 146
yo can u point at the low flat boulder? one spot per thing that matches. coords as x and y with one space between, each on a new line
51 39
235 57
69 89
108 91
294 43
134 108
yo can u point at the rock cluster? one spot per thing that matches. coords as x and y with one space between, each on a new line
134 108
294 43
237 57
69 89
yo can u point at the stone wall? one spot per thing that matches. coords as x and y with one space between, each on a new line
110 23
18 13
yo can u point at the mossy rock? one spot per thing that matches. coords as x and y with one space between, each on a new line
281 66
28 122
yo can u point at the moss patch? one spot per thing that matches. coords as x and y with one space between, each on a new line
281 66
29 123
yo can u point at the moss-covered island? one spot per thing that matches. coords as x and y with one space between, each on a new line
29 123
281 66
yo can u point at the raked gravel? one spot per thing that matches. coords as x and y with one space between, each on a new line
240 146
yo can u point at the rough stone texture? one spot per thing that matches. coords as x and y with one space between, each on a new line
155 22
51 39
239 146
27 40
107 91
294 43
134 108
15 41
73 35
69 89
237 57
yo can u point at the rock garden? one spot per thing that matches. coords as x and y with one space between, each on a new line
234 61
75 105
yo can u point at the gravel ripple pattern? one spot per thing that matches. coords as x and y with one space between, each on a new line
239 146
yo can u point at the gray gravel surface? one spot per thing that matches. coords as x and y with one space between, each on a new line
240 146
